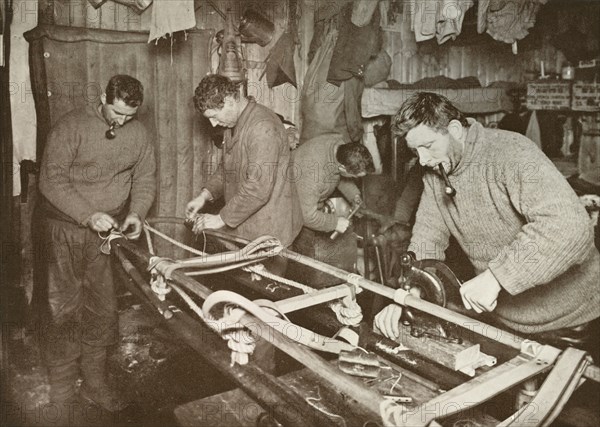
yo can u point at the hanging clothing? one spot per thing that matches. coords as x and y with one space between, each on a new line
507 21
326 108
354 47
438 18
280 64
169 16
450 20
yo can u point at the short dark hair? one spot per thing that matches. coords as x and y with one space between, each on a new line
355 157
212 90
126 88
431 109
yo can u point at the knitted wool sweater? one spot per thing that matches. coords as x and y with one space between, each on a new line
83 172
515 214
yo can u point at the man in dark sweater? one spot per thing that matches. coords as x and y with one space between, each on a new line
97 175
517 219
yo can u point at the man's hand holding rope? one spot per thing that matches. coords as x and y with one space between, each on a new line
133 221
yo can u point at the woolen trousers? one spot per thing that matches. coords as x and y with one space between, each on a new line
82 305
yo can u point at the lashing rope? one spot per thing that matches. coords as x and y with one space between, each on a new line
239 350
112 235
347 310
264 313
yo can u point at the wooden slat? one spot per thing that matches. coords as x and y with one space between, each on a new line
133 20
184 143
167 185
94 73
71 34
39 86
146 18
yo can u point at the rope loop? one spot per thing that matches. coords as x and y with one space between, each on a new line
105 245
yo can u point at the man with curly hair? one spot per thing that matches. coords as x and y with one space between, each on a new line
252 178
260 199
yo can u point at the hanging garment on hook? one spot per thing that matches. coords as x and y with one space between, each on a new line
171 16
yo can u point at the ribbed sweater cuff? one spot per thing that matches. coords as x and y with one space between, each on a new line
508 275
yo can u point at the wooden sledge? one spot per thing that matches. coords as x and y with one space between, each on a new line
325 395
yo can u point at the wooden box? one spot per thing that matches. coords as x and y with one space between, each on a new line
586 96
549 95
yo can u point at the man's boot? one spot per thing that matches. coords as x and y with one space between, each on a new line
62 379
94 386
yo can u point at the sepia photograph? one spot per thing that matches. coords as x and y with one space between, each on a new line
267 213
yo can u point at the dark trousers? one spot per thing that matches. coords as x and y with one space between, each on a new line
82 305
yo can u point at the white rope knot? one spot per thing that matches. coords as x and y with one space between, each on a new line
354 279
257 271
158 283
240 340
347 311
105 245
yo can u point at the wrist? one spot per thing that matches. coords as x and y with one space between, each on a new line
206 195
493 282
86 222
